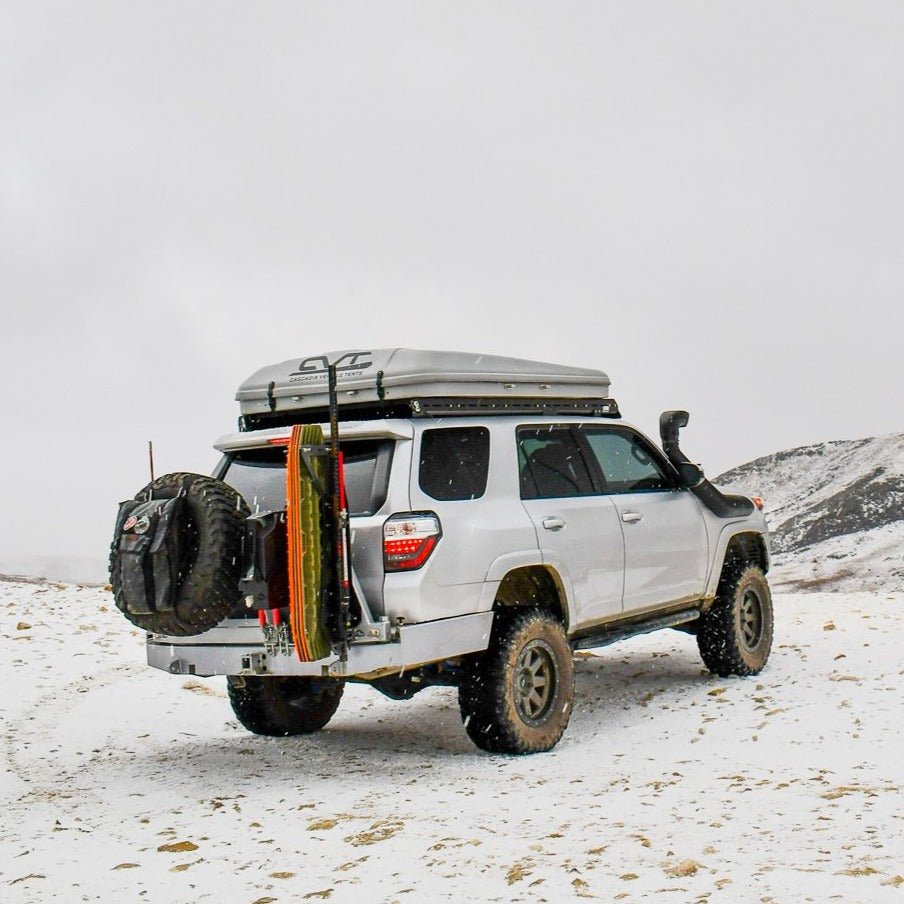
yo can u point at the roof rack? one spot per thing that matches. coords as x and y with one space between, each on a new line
439 407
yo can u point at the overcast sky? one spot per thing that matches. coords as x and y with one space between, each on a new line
705 200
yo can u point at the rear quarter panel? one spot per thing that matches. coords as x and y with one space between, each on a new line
477 533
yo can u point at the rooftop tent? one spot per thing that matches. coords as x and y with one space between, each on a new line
411 382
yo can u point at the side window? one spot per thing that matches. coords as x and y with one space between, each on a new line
551 464
627 462
454 462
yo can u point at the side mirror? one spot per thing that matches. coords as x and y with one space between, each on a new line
691 475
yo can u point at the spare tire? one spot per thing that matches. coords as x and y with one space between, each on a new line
175 567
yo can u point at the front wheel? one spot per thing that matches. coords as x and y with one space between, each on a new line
516 697
278 706
735 635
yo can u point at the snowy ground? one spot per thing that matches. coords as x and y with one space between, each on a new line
121 783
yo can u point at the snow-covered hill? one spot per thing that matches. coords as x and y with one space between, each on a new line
836 511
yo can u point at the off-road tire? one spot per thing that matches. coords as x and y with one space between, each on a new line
278 707
516 696
735 635
211 568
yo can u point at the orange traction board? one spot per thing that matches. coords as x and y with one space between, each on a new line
306 476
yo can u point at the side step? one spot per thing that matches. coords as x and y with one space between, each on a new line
606 634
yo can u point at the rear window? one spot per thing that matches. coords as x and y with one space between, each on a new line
259 475
454 462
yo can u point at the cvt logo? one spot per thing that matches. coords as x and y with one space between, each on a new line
318 364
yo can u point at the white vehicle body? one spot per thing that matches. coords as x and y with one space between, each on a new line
622 556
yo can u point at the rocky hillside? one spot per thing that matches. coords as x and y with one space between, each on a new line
836 511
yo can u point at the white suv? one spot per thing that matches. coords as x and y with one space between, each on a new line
508 519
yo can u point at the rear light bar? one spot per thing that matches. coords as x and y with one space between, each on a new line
409 539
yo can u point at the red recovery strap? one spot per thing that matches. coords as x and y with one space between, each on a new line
296 544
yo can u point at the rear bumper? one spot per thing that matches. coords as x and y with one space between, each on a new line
238 648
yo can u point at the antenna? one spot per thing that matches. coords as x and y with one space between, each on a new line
151 458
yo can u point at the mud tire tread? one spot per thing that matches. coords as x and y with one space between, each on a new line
719 636
487 685
283 706
210 589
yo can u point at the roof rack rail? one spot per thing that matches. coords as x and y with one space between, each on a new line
437 407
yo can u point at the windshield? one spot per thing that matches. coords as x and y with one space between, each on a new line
259 475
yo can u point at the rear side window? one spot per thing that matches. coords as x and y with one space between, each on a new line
551 464
455 462
259 475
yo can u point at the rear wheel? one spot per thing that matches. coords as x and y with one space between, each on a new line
735 635
279 707
516 696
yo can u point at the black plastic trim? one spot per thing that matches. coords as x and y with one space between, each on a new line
613 632
720 504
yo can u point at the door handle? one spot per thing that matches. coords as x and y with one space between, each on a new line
631 517
553 523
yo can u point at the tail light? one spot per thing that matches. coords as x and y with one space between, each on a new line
758 502
408 540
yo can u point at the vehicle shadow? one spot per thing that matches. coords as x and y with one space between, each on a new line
617 689
614 681
612 689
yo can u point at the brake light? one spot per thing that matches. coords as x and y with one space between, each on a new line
409 539
758 502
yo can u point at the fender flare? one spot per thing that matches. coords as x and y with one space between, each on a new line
530 558
754 544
